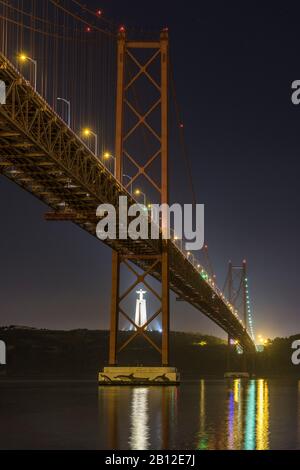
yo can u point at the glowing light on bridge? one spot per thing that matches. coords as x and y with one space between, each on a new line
138 192
26 58
87 132
22 57
249 313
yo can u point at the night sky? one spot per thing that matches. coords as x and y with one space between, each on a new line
234 65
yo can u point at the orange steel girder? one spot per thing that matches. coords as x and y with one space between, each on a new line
126 52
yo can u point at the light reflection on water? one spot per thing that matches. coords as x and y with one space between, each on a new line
139 429
204 415
262 416
250 438
245 417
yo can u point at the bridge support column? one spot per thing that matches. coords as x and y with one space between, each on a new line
146 57
157 265
165 309
164 45
228 358
114 313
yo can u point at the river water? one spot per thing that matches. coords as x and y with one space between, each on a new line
204 414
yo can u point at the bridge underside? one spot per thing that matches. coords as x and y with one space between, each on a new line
46 158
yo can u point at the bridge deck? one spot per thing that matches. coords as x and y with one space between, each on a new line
42 155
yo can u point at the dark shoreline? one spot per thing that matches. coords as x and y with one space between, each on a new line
39 355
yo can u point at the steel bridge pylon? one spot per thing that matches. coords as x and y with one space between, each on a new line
236 285
131 51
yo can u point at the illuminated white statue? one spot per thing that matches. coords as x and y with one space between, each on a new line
141 310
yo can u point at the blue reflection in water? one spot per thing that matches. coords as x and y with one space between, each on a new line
250 417
235 416
231 420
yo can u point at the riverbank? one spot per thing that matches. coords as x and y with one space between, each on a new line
34 354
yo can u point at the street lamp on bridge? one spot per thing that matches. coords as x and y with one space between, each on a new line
108 156
147 206
138 192
130 181
24 58
88 133
68 103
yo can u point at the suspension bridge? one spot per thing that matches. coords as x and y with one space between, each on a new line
41 152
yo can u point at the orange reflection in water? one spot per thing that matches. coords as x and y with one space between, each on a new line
262 415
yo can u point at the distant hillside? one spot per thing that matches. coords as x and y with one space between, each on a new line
82 353
33 353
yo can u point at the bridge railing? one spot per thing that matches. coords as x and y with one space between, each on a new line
194 261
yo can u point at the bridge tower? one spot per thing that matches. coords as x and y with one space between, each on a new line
236 289
130 52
